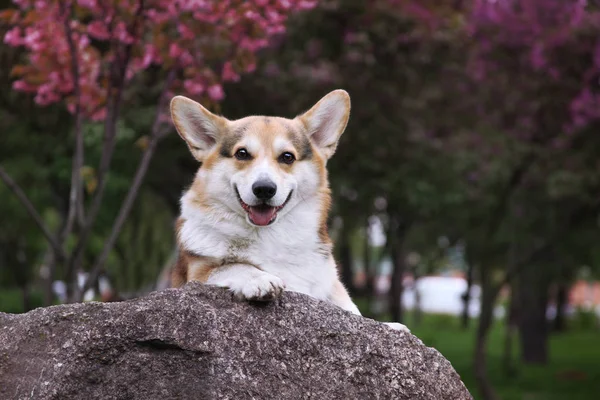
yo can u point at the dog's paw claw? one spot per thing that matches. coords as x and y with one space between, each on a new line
259 288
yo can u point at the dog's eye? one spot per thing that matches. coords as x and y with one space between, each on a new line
242 154
287 158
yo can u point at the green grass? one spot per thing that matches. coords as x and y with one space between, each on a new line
572 373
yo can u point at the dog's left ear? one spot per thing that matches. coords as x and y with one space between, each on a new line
326 120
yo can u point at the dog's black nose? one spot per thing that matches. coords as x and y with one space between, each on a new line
264 190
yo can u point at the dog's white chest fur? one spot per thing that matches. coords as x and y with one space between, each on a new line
290 249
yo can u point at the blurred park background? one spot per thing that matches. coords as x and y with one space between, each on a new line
466 187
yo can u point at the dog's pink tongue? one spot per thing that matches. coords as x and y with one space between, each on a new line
262 215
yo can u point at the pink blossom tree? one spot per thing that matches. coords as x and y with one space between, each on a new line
535 66
87 54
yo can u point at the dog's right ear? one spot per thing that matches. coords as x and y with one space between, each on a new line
199 127
326 121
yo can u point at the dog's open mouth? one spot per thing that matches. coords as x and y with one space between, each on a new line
262 214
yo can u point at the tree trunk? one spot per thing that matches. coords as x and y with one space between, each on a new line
533 327
397 234
488 298
396 288
74 292
510 330
369 286
417 313
562 293
48 280
466 298
26 298
345 250
371 274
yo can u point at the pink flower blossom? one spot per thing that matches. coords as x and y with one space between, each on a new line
98 30
90 4
228 73
192 87
22 86
215 92
13 37
174 50
190 36
251 67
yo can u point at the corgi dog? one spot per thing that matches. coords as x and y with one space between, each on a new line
254 218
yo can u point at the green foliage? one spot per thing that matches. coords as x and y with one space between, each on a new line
11 300
93 133
21 243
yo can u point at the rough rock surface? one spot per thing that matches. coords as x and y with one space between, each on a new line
198 343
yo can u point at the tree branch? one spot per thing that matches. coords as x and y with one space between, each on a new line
517 267
512 185
76 208
156 135
118 71
110 127
14 187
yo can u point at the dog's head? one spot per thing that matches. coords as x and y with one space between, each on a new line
261 167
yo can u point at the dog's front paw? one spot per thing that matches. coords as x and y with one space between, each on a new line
260 287
397 326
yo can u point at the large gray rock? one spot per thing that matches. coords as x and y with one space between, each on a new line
198 343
